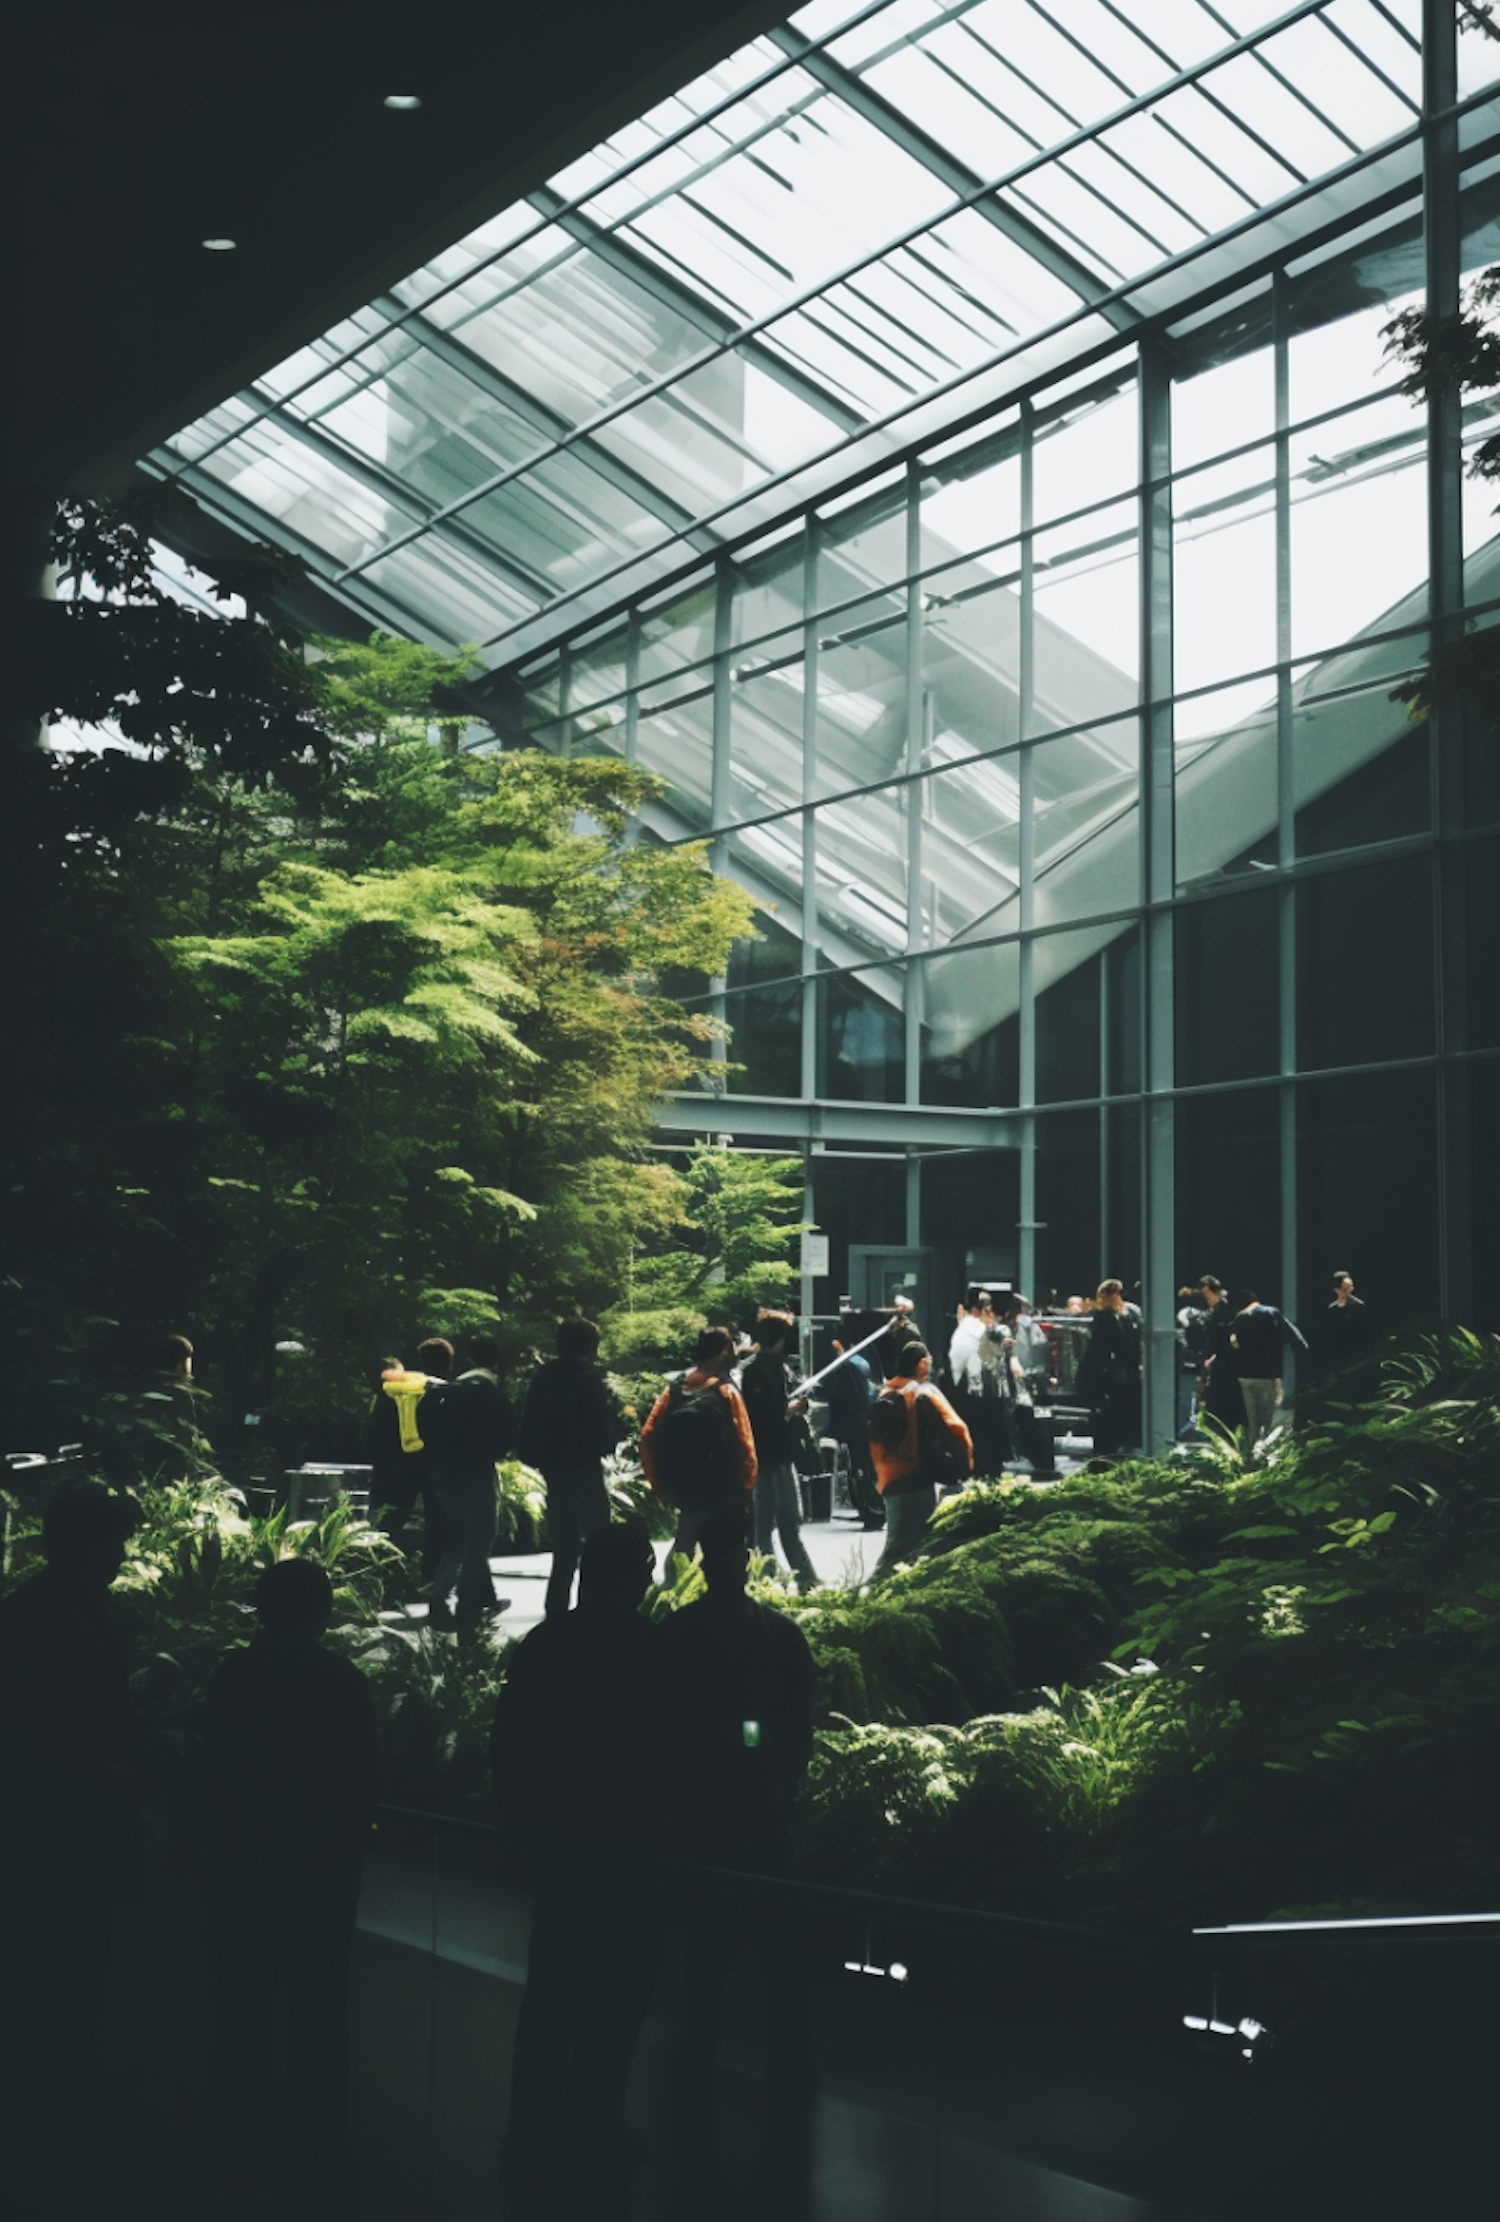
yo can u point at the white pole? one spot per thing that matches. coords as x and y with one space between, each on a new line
822 1375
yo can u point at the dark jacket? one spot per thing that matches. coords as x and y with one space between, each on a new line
571 1420
67 1727
848 1391
1346 1333
1109 1371
1257 1338
289 1746
476 1426
738 1694
766 1382
565 1751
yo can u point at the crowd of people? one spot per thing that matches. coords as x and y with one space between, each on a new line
288 1764
1010 1369
288 1775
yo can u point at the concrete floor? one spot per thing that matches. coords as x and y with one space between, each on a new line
841 1549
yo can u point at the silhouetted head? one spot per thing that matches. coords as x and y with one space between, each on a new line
715 1351
295 1598
1213 1289
914 1361
435 1356
174 1354
1110 1296
1244 1298
577 1338
483 1351
725 1543
84 1528
617 1567
1343 1286
773 1331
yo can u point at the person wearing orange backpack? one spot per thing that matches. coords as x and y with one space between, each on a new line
917 1443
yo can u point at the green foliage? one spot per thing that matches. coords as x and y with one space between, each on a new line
638 1343
629 1490
731 1249
347 1038
1311 1708
1302 1707
1457 354
522 1524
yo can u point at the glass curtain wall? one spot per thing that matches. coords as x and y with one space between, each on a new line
1064 759
953 442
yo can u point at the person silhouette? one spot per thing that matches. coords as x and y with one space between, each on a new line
571 1779
570 1424
738 1697
69 1819
477 1428
291 1764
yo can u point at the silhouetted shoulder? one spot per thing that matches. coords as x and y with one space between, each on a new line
290 1737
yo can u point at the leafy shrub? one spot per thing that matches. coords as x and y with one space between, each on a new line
522 1522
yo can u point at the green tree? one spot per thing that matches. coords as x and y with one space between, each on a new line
324 1056
731 1250
1458 354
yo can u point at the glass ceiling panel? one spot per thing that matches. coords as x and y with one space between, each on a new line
814 255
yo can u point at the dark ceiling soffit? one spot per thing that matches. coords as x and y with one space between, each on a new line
723 38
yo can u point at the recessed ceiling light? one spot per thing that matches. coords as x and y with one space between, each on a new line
220 246
403 100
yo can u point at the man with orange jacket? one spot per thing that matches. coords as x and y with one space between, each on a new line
697 1448
917 1440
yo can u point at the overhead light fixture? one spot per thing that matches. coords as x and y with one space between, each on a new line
402 100
220 246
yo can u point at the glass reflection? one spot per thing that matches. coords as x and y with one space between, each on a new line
861 1036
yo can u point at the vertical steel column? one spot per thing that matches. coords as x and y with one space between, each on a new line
809 883
1286 817
632 707
719 787
565 700
809 817
1026 860
809 1213
912 795
915 728
1158 886
1443 257
633 685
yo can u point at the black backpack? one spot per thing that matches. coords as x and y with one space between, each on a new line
940 1454
888 1417
696 1447
569 1417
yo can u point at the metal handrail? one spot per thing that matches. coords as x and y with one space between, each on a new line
1017 1927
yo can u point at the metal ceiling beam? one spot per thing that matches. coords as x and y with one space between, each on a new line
371 603
778 1118
874 109
552 427
714 323
404 497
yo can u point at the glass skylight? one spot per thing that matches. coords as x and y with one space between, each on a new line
839 239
